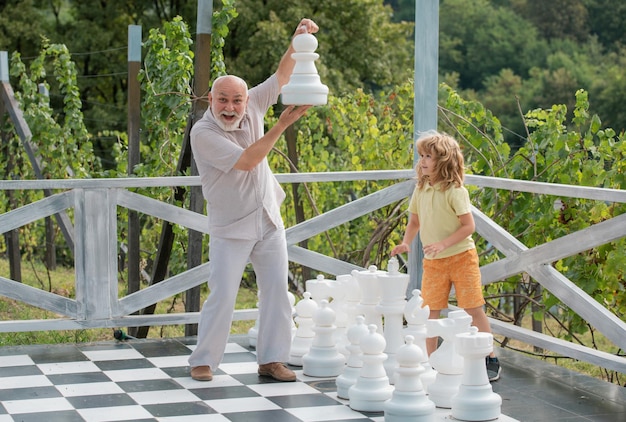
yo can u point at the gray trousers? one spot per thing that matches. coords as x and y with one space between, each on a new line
227 261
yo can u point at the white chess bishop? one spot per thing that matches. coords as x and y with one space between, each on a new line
304 87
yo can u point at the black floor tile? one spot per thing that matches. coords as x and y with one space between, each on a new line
179 409
60 416
262 416
217 393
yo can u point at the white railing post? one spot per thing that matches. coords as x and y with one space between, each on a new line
96 253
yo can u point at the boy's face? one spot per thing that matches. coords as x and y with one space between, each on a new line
427 164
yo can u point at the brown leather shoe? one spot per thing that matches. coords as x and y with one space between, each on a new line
278 371
201 373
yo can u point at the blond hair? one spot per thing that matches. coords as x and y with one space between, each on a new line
450 165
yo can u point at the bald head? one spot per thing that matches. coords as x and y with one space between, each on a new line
228 100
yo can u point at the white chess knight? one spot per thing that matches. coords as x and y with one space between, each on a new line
416 316
304 87
446 360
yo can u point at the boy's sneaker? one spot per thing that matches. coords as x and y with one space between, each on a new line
493 368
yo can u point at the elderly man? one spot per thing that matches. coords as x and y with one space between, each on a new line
243 205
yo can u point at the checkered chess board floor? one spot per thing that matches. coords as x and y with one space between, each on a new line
148 380
143 380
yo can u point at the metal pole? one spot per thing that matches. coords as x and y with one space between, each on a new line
425 101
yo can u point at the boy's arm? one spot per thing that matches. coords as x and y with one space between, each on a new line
412 227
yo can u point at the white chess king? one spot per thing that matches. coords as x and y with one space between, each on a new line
304 87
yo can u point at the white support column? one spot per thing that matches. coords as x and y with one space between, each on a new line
425 100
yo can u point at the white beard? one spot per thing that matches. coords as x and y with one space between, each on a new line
229 127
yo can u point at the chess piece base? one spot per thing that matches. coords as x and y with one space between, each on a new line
413 406
323 362
476 403
444 387
370 394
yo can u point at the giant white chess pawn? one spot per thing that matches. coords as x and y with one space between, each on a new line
323 359
393 286
416 316
372 388
304 87
475 400
446 359
409 401
302 341
354 362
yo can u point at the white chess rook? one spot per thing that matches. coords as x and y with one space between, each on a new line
304 87
475 400
409 401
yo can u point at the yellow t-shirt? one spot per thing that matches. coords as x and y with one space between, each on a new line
438 212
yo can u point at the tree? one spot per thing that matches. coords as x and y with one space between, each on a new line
559 19
477 40
359 46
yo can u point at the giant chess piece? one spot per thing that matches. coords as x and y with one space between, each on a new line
416 316
393 285
446 359
475 400
344 304
353 296
354 362
372 388
370 295
253 332
323 359
409 401
302 341
292 302
304 87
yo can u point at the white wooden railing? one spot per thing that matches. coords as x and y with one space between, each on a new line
97 302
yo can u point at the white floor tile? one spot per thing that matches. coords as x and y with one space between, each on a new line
115 354
68 367
89 389
283 389
25 381
15 360
117 413
218 381
170 361
38 405
139 374
239 367
243 404
212 417
164 396
324 413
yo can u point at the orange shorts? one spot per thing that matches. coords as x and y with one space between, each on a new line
462 271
